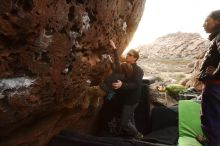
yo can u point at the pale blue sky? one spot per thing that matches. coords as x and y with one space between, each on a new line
169 16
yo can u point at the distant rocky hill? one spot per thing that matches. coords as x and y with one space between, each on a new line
174 58
175 46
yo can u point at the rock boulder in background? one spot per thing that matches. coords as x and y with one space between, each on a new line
50 50
175 58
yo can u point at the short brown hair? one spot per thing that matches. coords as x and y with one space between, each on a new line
127 69
134 53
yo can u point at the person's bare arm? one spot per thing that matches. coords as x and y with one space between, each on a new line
116 57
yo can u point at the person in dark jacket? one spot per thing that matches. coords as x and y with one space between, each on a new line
210 76
129 92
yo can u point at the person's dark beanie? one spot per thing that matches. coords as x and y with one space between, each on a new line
215 15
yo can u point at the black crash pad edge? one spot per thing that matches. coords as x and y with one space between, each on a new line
73 138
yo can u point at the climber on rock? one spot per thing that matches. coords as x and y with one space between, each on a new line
118 72
115 71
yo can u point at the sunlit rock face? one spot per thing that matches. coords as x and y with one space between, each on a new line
50 52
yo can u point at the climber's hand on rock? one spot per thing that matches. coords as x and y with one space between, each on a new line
112 44
110 58
210 70
117 84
